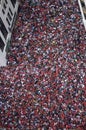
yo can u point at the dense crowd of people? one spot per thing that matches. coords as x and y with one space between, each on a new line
43 85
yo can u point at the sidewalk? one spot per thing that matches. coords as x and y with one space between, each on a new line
2 58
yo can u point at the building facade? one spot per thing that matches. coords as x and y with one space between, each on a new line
8 13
